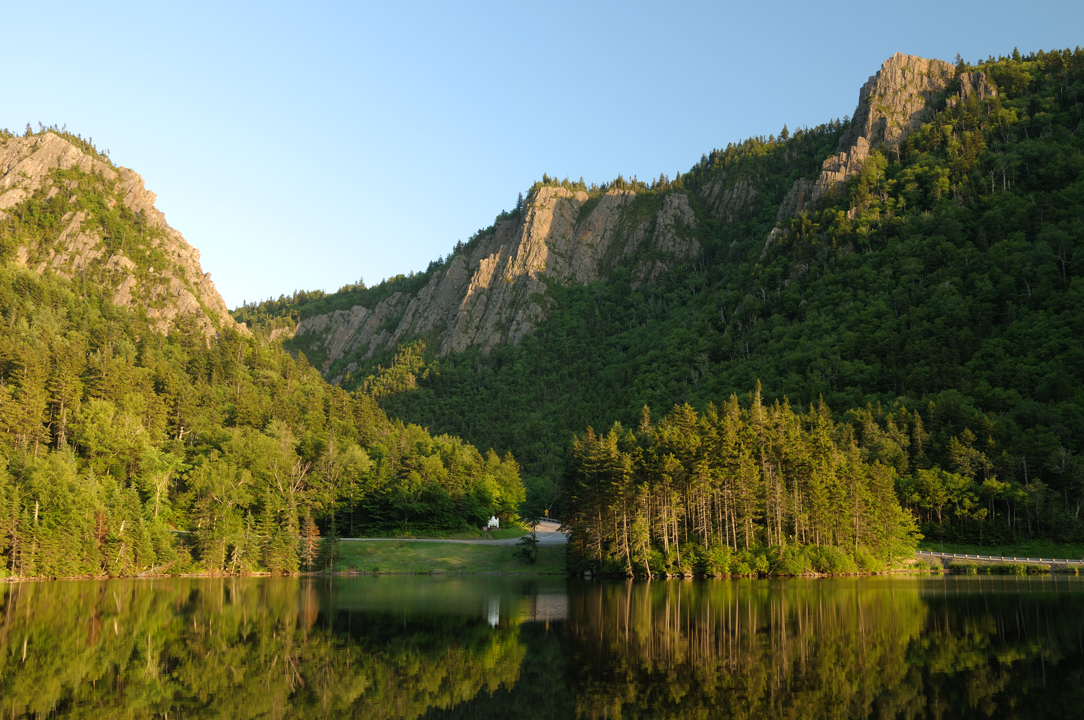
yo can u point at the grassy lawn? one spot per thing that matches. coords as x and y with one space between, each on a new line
472 534
1032 549
422 557
502 534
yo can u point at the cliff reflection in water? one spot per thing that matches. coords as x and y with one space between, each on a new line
411 647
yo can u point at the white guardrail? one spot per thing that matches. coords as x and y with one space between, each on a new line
1001 558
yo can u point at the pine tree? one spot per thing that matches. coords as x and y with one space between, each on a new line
310 544
329 548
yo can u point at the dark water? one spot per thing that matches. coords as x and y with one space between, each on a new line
488 647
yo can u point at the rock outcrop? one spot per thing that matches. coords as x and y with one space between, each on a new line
670 242
973 84
897 99
495 293
796 199
175 288
728 201
893 102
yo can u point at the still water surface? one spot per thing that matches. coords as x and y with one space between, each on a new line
500 647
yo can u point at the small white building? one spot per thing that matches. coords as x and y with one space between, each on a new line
494 523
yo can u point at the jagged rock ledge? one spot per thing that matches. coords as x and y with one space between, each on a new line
179 288
496 294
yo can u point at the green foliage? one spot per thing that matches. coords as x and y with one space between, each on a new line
408 368
785 493
1012 569
1030 549
409 557
36 223
936 295
122 451
964 568
528 548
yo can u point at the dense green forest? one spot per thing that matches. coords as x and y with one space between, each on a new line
124 451
702 494
932 304
940 289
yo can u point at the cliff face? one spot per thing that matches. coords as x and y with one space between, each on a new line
496 293
891 104
170 286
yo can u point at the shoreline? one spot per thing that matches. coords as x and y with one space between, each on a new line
504 573
492 573
427 556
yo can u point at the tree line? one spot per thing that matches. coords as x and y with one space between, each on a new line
943 282
125 451
733 490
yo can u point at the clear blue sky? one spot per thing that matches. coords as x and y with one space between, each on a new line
306 145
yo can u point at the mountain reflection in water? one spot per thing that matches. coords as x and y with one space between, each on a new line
479 646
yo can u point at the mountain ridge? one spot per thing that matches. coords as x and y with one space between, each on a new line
495 293
928 296
49 167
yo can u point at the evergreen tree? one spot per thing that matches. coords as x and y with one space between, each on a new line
310 544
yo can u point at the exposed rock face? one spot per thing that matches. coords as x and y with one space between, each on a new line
495 294
973 84
892 103
178 288
728 201
897 99
794 203
669 241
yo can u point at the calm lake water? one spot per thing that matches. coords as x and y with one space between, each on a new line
501 647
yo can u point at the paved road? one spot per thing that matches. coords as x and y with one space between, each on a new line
547 535
1000 558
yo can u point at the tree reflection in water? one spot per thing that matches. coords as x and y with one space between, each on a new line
499 647
854 648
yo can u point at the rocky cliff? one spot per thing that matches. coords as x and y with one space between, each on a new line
893 102
495 292
151 268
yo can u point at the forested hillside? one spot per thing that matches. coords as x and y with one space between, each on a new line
125 449
81 216
902 289
939 296
932 300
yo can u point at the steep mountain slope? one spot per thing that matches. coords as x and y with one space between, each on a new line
918 267
142 431
493 291
89 218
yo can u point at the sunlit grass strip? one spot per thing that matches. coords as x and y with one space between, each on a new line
406 556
